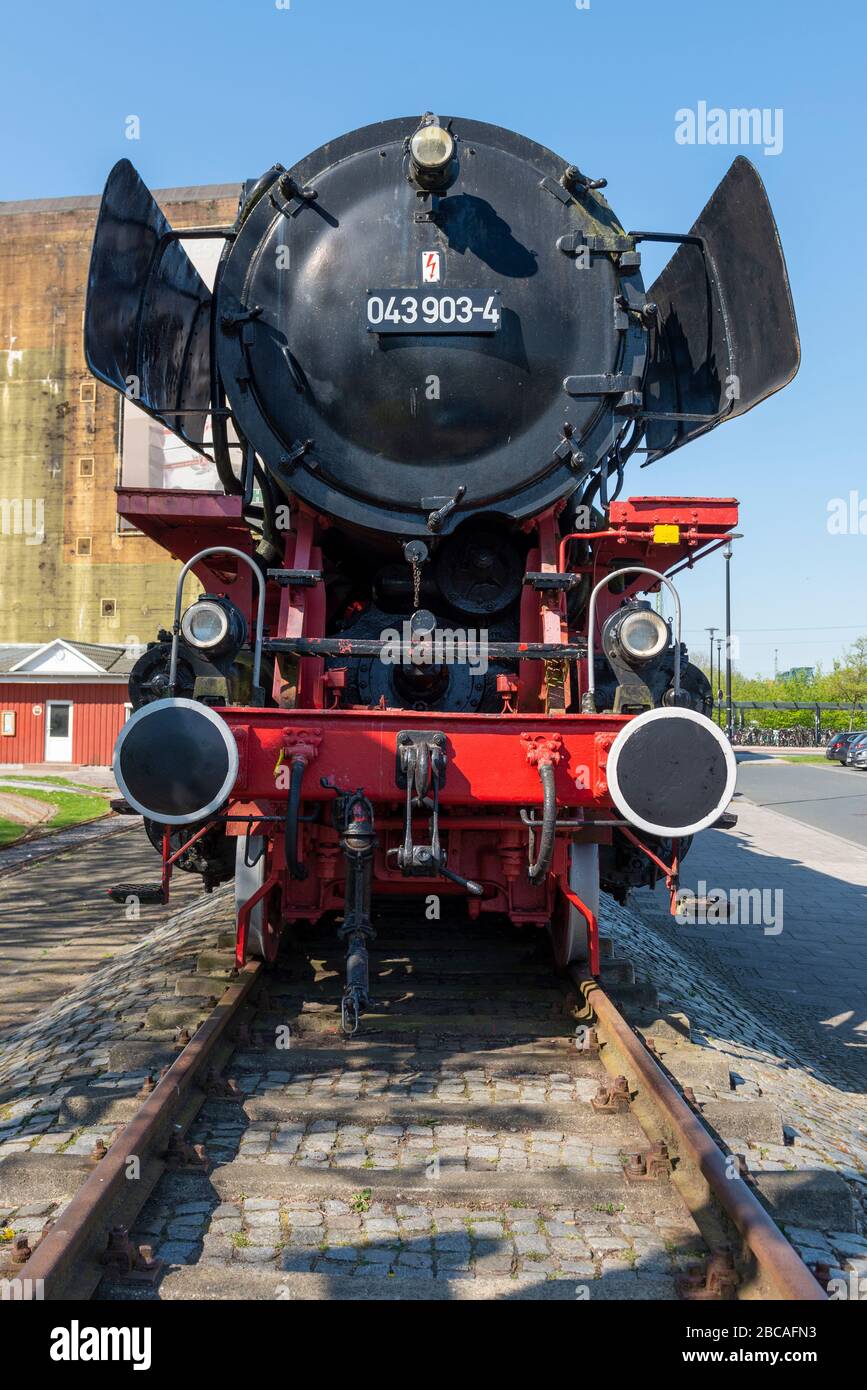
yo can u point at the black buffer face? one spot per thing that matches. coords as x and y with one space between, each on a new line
671 772
176 761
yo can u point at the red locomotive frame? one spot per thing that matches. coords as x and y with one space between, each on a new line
491 761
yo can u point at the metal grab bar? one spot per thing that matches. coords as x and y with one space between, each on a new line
179 597
591 626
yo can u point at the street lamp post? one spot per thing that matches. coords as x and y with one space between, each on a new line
713 631
729 716
719 694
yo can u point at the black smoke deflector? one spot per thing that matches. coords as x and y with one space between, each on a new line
727 335
147 323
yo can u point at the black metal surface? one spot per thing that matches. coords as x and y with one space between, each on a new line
672 772
296 579
212 856
728 337
479 570
148 316
546 581
387 451
355 819
149 678
357 648
421 752
174 762
407 434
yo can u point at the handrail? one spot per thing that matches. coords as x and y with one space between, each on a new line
591 625
179 596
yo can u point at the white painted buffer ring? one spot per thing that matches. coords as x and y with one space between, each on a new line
671 772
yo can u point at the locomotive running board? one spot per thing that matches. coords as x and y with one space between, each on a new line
147 322
728 337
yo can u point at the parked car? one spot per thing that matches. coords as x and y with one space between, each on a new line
859 756
838 746
854 745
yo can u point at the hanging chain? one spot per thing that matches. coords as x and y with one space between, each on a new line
416 553
416 585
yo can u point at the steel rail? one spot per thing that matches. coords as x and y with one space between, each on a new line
775 1257
54 1258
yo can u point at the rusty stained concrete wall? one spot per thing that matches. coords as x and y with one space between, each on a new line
52 415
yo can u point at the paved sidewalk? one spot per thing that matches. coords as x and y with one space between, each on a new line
810 979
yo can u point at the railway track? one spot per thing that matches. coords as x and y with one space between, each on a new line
493 1131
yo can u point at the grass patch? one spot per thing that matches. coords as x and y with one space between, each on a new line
10 831
72 808
817 759
360 1202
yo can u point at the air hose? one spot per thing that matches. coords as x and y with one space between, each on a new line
293 807
539 868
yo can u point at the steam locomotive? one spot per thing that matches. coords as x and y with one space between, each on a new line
424 663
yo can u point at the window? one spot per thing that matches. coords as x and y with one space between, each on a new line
7 723
85 467
109 608
83 545
58 720
87 392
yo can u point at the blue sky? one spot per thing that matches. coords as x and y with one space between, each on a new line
224 88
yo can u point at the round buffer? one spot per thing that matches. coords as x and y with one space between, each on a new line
671 772
176 761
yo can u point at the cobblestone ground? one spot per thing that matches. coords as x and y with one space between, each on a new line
365 1237
69 1044
824 1126
58 925
488 1231
330 1144
807 973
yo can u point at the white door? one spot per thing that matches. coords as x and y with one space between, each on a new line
58 731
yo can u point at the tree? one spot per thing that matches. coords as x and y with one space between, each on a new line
848 680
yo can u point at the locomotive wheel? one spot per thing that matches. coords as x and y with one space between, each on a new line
568 928
263 933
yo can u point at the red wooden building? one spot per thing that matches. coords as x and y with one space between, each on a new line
62 702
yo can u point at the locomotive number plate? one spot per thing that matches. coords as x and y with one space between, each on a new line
433 311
